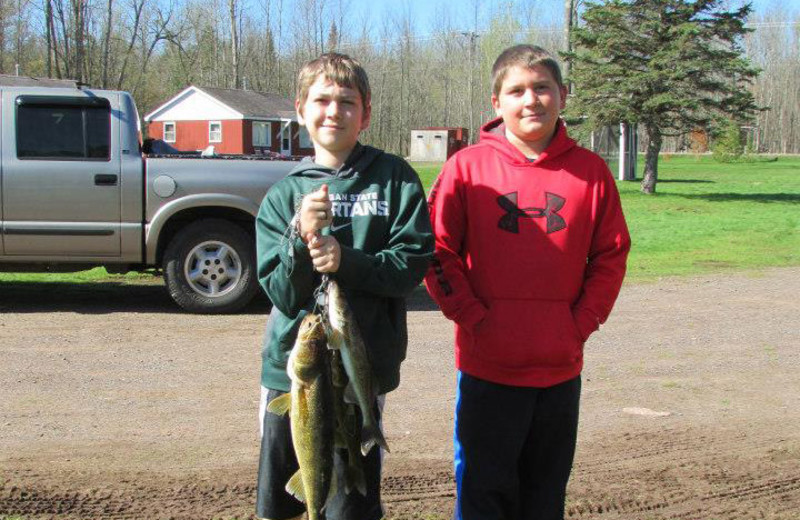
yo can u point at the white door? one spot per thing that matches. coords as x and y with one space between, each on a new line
286 137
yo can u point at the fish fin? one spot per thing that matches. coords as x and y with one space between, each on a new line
361 482
295 487
280 405
350 394
334 339
372 435
355 476
331 492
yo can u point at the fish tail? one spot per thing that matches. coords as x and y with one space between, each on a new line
355 478
372 435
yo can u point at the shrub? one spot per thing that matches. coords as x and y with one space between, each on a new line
727 145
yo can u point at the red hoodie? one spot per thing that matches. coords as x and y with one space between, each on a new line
530 256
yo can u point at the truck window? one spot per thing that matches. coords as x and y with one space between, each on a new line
50 128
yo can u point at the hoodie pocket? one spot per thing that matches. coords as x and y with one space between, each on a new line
528 333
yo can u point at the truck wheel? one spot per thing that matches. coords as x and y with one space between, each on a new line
210 267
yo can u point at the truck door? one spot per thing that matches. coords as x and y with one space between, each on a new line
61 175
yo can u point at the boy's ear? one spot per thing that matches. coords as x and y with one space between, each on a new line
366 117
496 105
298 107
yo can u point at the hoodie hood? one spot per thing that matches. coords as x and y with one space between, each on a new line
358 161
493 134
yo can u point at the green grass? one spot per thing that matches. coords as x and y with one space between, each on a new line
708 217
97 274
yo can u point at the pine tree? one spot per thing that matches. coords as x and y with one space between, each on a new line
332 45
672 66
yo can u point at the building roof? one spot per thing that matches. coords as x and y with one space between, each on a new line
252 103
226 103
9 80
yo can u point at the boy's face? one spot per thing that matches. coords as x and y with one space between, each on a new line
529 102
333 115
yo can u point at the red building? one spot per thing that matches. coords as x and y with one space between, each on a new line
232 121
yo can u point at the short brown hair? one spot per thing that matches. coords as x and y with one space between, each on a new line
341 69
527 56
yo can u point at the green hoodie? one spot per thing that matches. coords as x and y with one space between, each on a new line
380 219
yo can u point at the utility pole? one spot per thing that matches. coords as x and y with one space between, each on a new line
473 36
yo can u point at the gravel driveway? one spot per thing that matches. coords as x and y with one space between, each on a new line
113 405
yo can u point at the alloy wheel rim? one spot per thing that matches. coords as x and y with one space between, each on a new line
212 269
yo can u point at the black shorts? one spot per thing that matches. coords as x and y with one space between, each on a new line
277 463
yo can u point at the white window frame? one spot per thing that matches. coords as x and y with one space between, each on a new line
304 138
211 138
174 131
268 126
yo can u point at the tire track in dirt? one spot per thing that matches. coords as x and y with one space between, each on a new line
672 474
682 474
403 488
162 500
704 491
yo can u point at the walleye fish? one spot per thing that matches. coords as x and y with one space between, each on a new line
347 435
345 337
311 414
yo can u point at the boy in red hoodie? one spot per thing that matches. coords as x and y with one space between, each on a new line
531 246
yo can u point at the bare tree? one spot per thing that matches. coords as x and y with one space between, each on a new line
234 18
439 78
107 42
79 23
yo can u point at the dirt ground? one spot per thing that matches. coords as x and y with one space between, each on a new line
115 406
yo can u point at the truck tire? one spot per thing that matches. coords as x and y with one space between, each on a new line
210 267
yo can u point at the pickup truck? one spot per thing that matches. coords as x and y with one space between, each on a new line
76 192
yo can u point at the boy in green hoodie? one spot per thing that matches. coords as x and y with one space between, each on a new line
358 215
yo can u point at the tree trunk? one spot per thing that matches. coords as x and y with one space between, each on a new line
107 43
569 10
137 17
79 21
237 80
2 37
18 43
66 51
48 22
651 159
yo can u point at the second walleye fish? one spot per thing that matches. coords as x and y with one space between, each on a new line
346 337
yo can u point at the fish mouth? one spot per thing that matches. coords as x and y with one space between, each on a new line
311 327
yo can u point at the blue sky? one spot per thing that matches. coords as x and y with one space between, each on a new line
426 12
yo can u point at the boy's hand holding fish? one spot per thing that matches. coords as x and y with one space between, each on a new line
326 254
315 212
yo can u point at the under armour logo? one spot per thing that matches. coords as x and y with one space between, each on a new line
510 221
